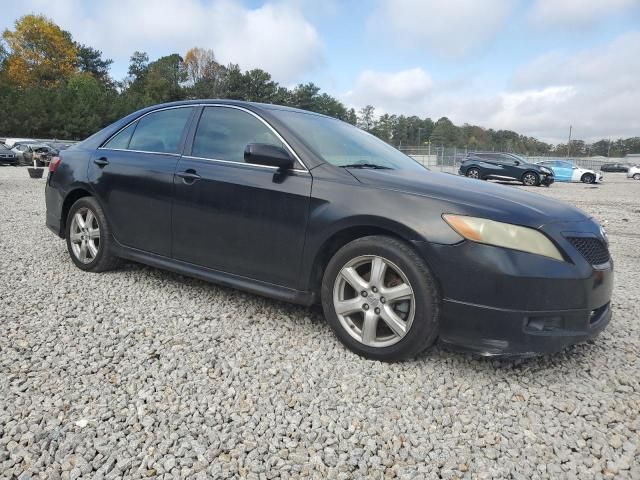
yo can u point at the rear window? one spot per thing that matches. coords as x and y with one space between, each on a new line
160 131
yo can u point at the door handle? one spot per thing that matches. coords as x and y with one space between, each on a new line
101 162
189 176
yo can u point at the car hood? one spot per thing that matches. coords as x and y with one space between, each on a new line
474 197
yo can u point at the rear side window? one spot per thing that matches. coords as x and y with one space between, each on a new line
223 133
160 131
121 140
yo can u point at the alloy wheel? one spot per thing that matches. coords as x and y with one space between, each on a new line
85 235
529 179
473 173
374 301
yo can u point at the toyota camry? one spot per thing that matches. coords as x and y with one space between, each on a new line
308 209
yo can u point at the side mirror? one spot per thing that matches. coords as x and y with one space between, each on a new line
269 155
517 162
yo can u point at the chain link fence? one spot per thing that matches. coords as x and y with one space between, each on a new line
448 159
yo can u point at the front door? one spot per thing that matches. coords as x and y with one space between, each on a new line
235 217
132 175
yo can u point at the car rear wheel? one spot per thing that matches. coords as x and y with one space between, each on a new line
531 179
636 176
473 173
588 178
89 237
381 299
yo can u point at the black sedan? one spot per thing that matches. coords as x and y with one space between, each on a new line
308 209
505 166
615 167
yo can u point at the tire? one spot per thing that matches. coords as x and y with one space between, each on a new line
531 179
100 258
414 313
588 178
636 176
473 173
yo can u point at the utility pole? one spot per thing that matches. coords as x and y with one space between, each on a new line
569 143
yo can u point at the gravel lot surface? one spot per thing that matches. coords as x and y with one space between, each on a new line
143 373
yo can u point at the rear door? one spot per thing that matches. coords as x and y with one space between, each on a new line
132 174
235 217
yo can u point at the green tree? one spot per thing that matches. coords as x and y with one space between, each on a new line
90 61
366 118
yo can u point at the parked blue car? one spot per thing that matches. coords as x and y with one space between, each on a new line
565 171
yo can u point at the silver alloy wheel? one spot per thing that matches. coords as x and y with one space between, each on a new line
529 179
588 178
84 235
374 301
473 173
636 176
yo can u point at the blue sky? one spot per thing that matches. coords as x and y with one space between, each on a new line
534 66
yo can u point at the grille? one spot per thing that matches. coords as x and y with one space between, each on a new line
592 249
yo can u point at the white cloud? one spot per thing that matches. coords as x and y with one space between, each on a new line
575 13
392 90
275 36
595 90
450 28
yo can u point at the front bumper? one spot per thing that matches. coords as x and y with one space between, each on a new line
547 179
497 301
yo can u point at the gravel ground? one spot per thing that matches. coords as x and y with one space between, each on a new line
144 373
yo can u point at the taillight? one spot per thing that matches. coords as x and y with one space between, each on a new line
54 164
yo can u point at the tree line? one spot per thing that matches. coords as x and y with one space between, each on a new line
54 87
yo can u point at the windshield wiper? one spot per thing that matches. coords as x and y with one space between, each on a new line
366 165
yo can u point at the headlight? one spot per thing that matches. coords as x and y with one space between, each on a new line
506 235
545 170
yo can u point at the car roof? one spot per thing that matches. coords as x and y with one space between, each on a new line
255 106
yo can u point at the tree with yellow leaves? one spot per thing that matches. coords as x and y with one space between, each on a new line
41 53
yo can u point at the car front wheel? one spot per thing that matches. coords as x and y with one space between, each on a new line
636 176
588 178
473 173
531 179
89 237
381 299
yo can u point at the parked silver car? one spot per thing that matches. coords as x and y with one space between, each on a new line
7 157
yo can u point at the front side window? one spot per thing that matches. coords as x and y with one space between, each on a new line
223 133
160 131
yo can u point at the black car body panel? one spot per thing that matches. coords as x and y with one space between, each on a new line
271 232
615 167
504 166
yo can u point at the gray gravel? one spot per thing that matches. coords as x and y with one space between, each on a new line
143 373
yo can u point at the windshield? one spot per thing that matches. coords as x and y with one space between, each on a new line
344 145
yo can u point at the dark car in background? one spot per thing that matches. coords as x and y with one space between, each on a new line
309 209
505 166
7 157
615 167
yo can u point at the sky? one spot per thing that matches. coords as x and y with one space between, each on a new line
533 66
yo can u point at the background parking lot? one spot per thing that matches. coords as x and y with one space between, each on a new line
141 372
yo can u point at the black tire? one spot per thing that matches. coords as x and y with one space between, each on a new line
636 176
104 259
424 328
530 179
588 178
473 173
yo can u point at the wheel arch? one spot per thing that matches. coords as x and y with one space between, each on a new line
70 198
342 236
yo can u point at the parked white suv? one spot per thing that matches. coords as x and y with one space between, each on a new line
634 172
